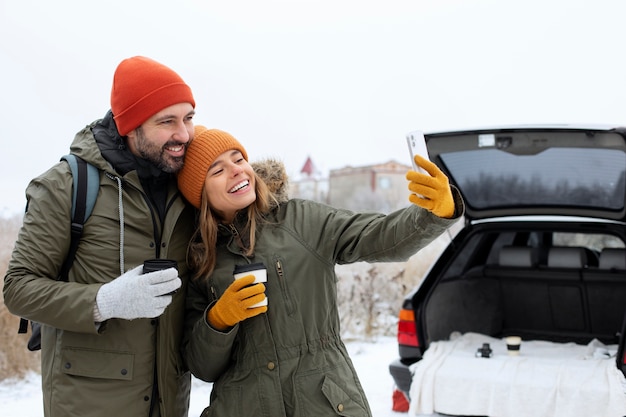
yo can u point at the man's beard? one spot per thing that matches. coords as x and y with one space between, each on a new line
157 155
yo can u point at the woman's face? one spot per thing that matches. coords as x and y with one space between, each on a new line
229 184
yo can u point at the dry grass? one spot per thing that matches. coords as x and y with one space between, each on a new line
370 295
15 359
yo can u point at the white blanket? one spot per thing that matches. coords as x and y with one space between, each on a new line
546 379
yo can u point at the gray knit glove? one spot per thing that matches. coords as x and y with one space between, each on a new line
136 295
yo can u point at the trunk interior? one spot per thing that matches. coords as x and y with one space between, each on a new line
515 284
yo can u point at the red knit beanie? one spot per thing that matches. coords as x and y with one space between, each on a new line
206 146
141 88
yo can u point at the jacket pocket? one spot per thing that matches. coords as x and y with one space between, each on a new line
97 363
331 400
282 281
340 401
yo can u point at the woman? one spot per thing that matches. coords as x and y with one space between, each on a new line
285 358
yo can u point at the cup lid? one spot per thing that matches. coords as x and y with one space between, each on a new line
248 267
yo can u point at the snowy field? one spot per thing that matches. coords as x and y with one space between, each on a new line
23 398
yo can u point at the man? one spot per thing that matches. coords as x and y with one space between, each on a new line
111 335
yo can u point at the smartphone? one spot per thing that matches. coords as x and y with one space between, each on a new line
417 146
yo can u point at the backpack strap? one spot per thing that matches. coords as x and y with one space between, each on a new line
23 327
86 182
84 193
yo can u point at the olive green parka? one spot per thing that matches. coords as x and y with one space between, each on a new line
106 369
291 361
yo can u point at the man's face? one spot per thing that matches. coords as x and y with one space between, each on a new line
164 137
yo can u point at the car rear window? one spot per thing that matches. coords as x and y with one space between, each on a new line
566 177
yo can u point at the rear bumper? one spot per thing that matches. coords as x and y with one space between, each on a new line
401 375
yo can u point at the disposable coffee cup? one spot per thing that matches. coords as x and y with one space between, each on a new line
151 265
260 275
513 344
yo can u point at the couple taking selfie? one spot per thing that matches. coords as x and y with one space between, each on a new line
118 340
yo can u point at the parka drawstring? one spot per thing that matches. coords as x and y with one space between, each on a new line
120 205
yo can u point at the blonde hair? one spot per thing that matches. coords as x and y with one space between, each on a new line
202 254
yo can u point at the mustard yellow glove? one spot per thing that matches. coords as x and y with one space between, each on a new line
433 191
233 305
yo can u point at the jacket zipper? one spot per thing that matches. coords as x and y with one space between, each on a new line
237 237
283 286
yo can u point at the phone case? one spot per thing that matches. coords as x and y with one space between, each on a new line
417 146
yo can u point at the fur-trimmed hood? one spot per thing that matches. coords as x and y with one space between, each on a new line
275 176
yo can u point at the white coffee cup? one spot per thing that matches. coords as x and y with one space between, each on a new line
260 275
513 345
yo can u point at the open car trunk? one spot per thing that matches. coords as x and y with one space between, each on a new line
556 293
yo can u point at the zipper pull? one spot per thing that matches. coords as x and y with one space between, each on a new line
279 269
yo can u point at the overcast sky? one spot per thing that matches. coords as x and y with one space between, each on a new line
341 81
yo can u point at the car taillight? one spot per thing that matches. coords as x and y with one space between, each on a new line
407 330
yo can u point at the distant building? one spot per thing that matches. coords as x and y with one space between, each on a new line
380 187
310 184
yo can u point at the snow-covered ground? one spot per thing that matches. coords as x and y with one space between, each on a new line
23 398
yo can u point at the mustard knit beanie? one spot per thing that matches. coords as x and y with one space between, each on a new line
143 87
205 147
